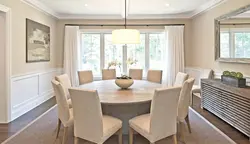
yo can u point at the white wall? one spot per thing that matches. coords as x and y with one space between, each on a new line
202 50
3 107
21 11
30 82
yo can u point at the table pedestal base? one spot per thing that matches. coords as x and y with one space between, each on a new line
125 112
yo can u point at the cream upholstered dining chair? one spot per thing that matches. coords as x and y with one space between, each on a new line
66 84
205 74
65 114
85 77
180 79
108 74
89 122
183 105
136 74
161 122
154 76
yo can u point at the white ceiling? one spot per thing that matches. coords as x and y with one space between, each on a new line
115 8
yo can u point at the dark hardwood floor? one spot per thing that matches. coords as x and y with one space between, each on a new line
7 130
227 129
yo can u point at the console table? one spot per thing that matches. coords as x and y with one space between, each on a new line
229 103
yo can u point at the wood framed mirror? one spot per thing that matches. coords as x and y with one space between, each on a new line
232 36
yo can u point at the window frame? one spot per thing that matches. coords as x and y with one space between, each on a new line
102 33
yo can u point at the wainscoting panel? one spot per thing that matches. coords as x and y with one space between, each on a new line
30 90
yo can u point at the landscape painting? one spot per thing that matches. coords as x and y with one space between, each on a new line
37 42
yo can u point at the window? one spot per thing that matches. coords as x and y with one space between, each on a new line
225 44
235 43
90 52
242 45
136 52
156 50
112 52
97 51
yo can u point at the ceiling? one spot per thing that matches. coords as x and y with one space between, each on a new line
114 9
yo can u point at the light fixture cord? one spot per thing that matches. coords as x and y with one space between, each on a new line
125 14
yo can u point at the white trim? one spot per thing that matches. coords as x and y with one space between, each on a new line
7 140
8 50
214 127
206 7
42 7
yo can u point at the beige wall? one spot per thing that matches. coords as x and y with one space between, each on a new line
203 39
21 11
61 24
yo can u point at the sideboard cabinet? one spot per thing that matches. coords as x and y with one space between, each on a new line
229 103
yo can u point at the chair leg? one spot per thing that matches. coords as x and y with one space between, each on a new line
131 135
65 135
76 140
182 132
58 128
175 138
120 136
188 124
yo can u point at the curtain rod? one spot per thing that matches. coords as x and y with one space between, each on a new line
235 24
124 25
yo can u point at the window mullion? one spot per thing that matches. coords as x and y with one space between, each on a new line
102 52
147 61
124 61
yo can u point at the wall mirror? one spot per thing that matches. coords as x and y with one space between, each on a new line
232 36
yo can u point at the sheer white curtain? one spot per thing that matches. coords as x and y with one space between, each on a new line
72 53
174 52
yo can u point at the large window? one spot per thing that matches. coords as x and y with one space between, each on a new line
136 52
156 50
90 52
235 43
97 51
112 52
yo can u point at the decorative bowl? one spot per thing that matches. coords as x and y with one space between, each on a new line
124 83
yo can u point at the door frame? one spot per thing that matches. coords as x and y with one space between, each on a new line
8 50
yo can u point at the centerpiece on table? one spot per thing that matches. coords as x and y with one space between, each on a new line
124 82
233 79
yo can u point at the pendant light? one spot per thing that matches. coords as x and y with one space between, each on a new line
125 36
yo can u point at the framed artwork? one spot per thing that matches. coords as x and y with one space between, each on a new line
37 42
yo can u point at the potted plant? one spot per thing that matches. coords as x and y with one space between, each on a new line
234 79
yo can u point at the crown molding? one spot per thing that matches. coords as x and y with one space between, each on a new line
41 7
206 7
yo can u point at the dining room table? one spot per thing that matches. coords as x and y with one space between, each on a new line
124 103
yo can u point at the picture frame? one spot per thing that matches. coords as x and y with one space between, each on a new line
37 42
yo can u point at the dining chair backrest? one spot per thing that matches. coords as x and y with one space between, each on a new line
87 114
180 79
65 81
154 76
205 74
108 74
164 112
62 105
85 77
185 99
136 74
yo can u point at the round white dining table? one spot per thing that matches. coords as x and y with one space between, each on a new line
110 93
124 103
